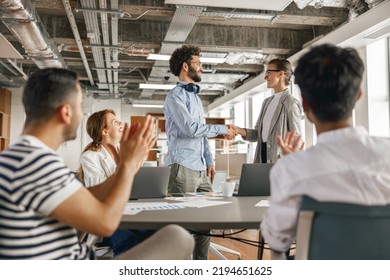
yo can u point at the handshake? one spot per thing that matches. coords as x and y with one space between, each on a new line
233 131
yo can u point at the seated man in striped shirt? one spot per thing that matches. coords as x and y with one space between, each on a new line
42 203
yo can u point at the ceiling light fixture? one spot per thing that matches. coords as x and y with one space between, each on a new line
154 56
157 86
165 57
139 105
239 15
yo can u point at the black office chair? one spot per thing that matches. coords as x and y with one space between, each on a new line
339 231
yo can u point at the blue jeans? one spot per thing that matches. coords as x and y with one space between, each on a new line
124 239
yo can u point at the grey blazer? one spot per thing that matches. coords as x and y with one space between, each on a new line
287 117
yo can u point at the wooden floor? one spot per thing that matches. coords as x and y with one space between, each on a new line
248 252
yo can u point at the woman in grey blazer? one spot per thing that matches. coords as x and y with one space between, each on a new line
279 114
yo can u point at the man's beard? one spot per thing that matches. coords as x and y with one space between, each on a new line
70 132
192 73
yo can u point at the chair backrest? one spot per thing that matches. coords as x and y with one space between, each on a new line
339 231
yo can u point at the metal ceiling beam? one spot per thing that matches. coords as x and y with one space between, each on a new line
76 34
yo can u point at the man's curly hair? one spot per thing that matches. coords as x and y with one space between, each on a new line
181 55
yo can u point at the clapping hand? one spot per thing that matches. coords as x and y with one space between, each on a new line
290 143
136 142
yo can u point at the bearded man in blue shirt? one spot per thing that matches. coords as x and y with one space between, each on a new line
189 154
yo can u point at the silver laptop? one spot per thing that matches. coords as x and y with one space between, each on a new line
150 182
254 180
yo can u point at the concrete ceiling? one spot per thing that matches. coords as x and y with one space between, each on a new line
107 42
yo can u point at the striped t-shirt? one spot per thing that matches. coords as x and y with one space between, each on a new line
34 180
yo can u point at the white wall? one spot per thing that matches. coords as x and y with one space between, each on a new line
17 113
71 150
361 108
128 111
377 69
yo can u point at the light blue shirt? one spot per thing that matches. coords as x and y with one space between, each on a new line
186 130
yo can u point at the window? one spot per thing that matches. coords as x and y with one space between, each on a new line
378 87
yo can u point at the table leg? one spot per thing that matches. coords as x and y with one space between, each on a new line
260 250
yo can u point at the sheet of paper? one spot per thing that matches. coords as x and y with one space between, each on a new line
133 208
262 203
199 203
130 211
210 196
182 198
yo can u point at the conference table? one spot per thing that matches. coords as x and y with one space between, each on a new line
240 213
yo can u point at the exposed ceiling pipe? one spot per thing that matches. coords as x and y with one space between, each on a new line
356 8
8 68
31 33
15 66
301 4
142 75
76 34
115 52
373 3
93 34
106 41
18 71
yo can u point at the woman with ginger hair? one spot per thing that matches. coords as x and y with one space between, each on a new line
99 161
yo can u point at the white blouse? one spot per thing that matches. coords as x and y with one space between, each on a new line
97 166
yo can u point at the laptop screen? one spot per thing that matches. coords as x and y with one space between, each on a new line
150 182
254 180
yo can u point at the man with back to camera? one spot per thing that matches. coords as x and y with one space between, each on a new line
42 203
346 164
189 154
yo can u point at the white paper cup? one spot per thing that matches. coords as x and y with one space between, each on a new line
228 188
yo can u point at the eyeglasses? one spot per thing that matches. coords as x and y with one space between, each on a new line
117 122
268 72
197 62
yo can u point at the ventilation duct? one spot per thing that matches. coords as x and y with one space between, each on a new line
181 25
301 4
21 19
373 3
